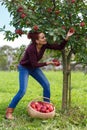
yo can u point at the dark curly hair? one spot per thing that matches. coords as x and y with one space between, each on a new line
33 36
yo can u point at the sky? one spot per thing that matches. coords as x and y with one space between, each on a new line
5 20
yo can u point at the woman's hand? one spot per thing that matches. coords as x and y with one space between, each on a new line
50 63
53 62
70 33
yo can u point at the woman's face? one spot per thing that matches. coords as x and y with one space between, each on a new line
41 39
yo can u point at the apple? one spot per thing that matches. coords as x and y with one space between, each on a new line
56 62
57 12
38 107
47 111
73 1
82 24
72 30
41 103
49 10
35 28
20 9
64 27
51 108
23 15
37 103
43 109
47 105
33 105
19 31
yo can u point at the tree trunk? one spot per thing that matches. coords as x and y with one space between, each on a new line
66 92
69 87
65 81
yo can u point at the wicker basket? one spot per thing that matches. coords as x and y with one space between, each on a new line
37 114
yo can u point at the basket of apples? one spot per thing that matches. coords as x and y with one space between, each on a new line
41 109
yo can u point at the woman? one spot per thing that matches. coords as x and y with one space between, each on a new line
30 65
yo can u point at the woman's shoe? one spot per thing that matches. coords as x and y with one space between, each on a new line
9 112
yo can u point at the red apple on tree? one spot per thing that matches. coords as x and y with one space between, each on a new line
57 12
82 24
20 9
49 10
23 15
73 1
64 27
19 31
35 28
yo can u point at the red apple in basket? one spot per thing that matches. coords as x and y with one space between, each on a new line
38 106
43 109
47 111
33 105
47 105
51 108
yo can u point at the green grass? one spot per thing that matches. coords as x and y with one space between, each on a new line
74 119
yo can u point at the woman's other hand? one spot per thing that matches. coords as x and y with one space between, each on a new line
53 62
50 63
70 33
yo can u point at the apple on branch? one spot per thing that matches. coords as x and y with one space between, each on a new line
19 31
49 10
82 24
20 9
57 12
73 1
23 15
35 28
64 27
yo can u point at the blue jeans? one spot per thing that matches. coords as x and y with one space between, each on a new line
23 81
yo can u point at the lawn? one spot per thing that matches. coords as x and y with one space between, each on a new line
74 119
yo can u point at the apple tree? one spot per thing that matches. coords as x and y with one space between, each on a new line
55 18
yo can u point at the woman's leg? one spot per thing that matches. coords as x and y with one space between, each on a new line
23 80
40 77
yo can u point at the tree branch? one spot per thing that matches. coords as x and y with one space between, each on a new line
54 5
